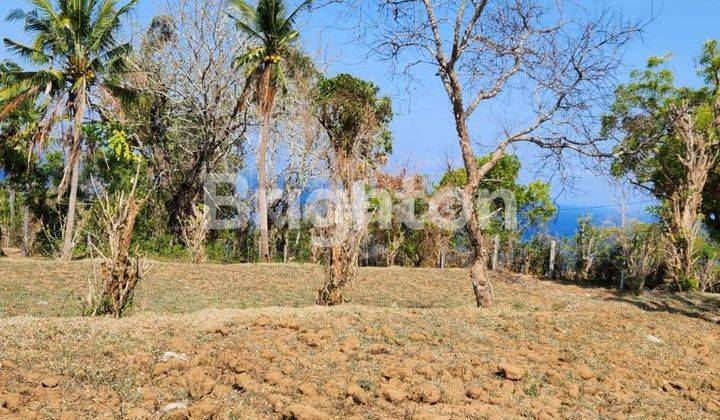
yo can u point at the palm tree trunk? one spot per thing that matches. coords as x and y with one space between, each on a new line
267 99
74 160
262 190
68 242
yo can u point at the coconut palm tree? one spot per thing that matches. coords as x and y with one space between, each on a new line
272 32
74 59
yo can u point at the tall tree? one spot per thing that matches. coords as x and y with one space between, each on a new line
670 146
75 57
357 122
272 29
191 113
552 60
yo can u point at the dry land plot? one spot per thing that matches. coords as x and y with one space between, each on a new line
245 341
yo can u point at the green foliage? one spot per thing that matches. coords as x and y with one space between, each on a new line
356 119
74 45
272 30
533 200
651 148
114 162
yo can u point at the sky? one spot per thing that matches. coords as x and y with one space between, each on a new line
423 129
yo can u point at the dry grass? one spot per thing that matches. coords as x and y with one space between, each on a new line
583 352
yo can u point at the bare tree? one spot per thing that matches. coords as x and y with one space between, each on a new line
300 155
554 57
120 271
198 102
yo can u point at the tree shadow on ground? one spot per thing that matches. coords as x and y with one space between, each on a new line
695 305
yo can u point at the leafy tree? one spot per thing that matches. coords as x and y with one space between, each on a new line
356 120
669 147
272 30
534 206
76 58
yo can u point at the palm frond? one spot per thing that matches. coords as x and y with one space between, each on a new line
45 6
25 52
254 55
289 22
249 30
245 9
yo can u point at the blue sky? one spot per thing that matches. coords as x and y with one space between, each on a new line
423 128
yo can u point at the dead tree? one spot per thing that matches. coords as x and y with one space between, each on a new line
558 57
195 109
120 271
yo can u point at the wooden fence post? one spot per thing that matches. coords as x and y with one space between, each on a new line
553 250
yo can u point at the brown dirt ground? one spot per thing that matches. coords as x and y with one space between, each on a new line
248 343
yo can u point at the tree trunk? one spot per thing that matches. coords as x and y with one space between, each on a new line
2 253
478 274
262 191
25 248
266 103
331 292
77 100
484 297
348 233
286 247
67 250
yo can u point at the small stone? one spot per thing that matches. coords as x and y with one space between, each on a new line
653 339
427 394
511 372
358 395
474 392
585 372
50 382
349 344
392 394
172 355
173 407
288 369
